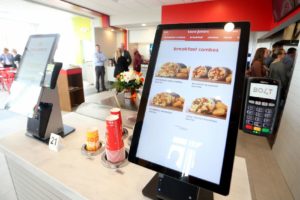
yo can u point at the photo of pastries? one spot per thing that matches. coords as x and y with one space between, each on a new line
209 107
168 100
174 70
212 74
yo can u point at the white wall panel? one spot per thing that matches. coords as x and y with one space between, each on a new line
287 146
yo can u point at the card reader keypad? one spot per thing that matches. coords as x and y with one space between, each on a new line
259 116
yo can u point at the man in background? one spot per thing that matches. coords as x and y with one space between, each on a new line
16 58
6 58
100 58
289 59
126 54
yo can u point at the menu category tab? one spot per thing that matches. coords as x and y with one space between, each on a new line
202 35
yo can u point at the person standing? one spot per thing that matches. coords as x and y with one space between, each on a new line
100 58
6 58
16 58
289 59
137 60
258 69
279 71
126 54
120 63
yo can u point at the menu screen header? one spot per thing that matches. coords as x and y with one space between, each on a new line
201 35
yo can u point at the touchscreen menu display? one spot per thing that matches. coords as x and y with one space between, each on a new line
26 89
35 59
187 115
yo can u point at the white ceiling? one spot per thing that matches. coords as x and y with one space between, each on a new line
130 12
127 13
123 13
20 10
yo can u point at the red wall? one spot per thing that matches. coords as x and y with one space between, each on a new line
258 12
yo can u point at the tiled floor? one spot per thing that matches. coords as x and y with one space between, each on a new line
265 177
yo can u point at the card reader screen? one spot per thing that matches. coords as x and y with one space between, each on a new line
263 91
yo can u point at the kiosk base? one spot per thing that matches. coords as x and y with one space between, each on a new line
162 187
67 130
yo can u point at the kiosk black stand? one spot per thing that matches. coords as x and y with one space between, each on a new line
165 187
47 118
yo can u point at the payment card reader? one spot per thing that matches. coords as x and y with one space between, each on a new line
261 105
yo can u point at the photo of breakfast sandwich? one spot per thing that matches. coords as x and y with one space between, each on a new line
212 74
209 107
174 70
168 100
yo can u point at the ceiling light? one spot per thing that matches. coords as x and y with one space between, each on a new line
143 24
229 27
112 30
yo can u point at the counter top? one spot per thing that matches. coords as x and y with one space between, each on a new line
88 177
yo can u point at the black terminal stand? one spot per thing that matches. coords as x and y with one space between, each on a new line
47 118
162 187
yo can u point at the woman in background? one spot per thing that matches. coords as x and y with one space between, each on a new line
137 60
120 63
258 69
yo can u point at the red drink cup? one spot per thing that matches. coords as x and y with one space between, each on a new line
113 133
117 111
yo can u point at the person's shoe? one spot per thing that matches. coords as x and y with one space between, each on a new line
104 89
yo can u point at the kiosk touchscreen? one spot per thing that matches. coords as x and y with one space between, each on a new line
34 92
261 106
27 86
189 113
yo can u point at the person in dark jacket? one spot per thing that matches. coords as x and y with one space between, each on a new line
137 60
279 71
16 58
126 54
121 64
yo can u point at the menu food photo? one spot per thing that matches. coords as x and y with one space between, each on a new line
187 115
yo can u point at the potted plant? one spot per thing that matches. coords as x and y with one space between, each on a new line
128 82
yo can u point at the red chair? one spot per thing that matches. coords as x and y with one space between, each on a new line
6 80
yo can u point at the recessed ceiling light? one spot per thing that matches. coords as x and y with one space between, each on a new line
143 24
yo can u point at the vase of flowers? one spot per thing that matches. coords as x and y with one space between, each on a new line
128 82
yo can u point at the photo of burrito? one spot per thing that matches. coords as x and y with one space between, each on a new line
168 100
173 70
209 107
212 74
201 72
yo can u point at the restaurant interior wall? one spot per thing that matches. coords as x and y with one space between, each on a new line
107 39
258 12
15 33
83 30
286 147
141 38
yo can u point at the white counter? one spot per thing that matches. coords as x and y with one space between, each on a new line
40 174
